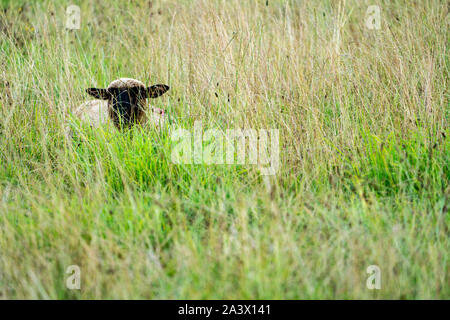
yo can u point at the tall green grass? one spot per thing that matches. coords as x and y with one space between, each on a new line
364 151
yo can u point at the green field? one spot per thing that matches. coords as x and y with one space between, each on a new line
364 151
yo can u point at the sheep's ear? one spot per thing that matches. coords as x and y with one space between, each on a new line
156 90
102 94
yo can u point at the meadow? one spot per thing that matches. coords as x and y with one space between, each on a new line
364 151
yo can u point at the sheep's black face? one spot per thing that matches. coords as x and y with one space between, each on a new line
126 104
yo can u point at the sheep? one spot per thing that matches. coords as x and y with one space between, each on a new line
123 103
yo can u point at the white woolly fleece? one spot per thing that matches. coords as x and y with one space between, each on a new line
126 83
